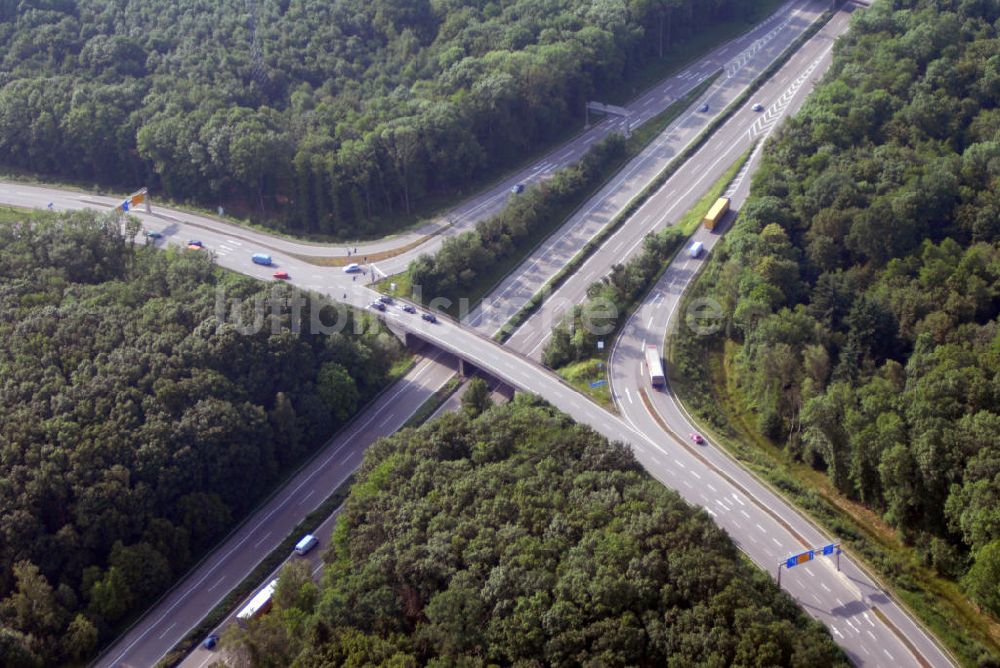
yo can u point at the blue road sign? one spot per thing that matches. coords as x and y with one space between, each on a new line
828 549
598 383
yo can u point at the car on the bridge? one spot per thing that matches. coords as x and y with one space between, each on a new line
703 108
195 242
517 188
153 234
378 306
697 438
352 268
281 274
429 317
211 641
385 299
758 107
408 308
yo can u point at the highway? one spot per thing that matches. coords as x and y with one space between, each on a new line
747 512
689 183
782 95
763 524
183 608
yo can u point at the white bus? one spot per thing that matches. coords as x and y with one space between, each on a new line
654 366
259 605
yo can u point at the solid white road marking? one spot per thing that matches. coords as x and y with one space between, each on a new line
167 630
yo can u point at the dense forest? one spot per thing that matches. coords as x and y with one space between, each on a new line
135 427
328 115
515 537
862 281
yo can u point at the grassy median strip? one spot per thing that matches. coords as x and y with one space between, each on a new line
574 264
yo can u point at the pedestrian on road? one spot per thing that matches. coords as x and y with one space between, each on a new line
355 250
366 259
354 278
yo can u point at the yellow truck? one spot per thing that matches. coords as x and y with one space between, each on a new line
716 213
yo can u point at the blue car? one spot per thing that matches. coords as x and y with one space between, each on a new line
153 235
211 641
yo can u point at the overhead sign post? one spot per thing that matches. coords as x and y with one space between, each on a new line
809 555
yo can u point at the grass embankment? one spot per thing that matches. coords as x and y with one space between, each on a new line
488 280
581 374
936 601
14 214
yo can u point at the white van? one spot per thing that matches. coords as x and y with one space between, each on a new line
352 268
307 543
696 249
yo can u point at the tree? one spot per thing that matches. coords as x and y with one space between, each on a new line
476 397
336 387
983 579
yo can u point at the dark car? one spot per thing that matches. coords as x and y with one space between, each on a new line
517 189
378 306
195 242
697 438
758 107
703 108
409 309
211 641
385 299
153 234
429 317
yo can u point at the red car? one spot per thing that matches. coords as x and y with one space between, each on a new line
281 274
697 438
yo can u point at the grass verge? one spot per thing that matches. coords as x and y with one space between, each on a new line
570 268
581 375
936 602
